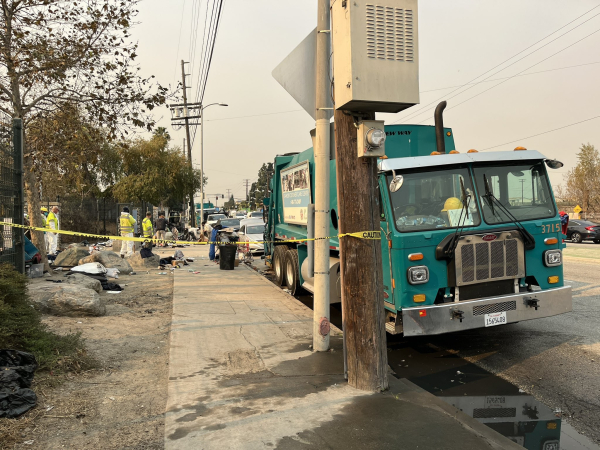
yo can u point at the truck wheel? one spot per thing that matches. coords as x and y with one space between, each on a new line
279 264
576 237
292 281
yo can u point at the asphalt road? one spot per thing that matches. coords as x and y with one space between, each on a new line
556 359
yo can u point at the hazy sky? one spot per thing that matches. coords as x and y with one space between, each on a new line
459 41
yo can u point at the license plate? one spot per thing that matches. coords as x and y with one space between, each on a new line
494 319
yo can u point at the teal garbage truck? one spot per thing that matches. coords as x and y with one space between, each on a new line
469 239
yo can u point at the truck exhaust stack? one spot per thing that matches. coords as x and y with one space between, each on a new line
439 127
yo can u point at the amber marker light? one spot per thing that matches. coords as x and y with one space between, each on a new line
419 298
519 148
454 152
550 241
435 153
473 151
553 280
415 257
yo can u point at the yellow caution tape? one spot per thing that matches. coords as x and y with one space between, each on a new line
360 234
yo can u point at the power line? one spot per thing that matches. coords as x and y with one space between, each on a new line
510 78
544 132
257 115
212 32
521 75
179 40
419 111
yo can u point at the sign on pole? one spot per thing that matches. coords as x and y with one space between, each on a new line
577 209
296 74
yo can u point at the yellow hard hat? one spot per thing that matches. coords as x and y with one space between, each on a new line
452 203
44 209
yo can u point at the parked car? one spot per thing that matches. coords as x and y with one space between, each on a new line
210 221
255 215
583 230
230 223
252 230
240 215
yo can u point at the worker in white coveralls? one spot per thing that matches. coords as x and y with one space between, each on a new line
127 222
52 224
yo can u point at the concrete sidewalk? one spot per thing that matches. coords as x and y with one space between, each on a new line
242 376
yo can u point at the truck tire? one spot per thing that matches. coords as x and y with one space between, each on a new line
292 279
279 264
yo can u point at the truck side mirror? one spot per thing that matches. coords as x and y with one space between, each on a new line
396 182
553 163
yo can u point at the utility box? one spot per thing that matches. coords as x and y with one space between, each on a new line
375 52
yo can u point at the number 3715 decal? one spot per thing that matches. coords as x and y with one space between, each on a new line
552 228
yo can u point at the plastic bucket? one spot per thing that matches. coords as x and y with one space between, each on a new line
227 256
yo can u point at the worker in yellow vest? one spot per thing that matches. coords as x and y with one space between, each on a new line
127 222
147 228
52 224
44 212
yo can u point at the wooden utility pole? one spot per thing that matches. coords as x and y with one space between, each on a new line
361 270
189 142
247 182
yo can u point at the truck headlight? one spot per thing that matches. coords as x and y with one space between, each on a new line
552 258
418 275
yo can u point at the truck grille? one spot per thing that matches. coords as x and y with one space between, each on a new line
494 308
479 261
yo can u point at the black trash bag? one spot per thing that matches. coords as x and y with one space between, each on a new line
16 374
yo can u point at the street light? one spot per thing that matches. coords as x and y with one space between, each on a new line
202 108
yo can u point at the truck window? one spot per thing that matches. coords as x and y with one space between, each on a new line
522 189
430 200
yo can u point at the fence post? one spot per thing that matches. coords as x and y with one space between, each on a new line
18 217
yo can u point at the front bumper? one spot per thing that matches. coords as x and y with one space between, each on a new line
257 248
444 318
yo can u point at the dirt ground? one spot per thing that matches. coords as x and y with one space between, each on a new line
120 404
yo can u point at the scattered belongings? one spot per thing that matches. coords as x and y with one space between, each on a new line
98 272
109 260
16 374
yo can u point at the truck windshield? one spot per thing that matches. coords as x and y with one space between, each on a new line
433 200
523 189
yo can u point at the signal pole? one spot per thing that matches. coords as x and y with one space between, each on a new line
189 142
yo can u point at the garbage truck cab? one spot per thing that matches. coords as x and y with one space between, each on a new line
469 240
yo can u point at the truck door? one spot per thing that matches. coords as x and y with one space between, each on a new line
386 260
